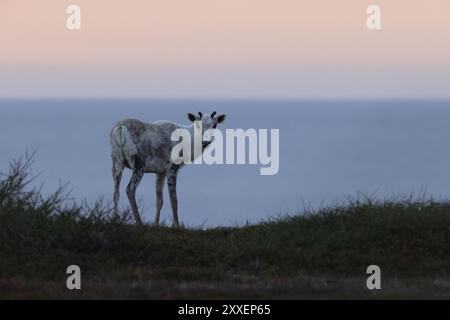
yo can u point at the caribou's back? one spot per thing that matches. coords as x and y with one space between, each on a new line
143 143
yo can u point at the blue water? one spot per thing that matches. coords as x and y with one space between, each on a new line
328 151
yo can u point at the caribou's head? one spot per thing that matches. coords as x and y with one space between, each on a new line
208 121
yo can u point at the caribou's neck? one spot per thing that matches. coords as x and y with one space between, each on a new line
196 151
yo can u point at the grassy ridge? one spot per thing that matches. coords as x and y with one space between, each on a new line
40 237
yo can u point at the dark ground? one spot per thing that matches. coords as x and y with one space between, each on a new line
314 255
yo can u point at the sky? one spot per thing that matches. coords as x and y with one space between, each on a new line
225 49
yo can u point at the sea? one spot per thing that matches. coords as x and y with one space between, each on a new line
329 152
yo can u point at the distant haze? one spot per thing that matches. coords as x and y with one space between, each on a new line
216 48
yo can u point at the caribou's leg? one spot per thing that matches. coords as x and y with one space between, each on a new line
117 170
172 184
136 178
159 183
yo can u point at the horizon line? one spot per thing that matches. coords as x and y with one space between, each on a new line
224 98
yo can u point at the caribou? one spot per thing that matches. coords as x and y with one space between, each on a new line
146 147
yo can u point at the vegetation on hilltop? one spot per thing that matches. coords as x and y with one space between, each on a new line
324 251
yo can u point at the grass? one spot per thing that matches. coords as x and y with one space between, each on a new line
321 254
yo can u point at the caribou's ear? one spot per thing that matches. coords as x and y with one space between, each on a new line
220 118
191 117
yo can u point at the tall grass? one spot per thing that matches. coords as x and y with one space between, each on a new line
40 236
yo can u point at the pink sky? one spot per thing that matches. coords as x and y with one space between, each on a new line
218 48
